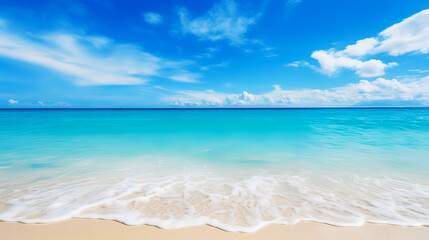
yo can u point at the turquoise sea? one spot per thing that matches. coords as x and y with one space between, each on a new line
236 169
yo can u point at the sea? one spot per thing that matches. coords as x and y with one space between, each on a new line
234 169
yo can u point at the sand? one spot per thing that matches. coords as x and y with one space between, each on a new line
85 229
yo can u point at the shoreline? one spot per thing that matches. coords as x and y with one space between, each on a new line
90 229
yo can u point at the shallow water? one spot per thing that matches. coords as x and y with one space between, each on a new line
235 169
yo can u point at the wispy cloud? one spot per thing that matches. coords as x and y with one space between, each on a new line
2 22
418 70
268 48
152 18
291 3
299 64
52 104
208 53
351 94
217 65
186 77
88 60
223 21
271 55
409 36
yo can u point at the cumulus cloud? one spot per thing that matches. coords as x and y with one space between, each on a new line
12 101
331 62
351 94
152 18
409 36
223 21
89 60
361 48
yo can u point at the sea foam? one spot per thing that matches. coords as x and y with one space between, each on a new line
231 203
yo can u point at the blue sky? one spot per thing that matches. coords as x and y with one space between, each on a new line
223 53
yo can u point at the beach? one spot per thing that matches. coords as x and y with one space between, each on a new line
90 229
220 119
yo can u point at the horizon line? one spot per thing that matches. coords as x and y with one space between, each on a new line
207 108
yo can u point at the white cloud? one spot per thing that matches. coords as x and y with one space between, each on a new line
331 62
12 101
299 64
52 104
361 48
409 36
351 94
418 70
89 60
152 18
223 21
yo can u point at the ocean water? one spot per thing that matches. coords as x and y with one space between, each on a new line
238 170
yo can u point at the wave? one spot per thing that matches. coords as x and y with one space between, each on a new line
240 203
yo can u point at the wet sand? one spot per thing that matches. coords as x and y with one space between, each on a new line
90 229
